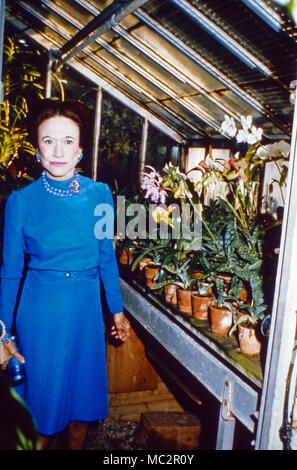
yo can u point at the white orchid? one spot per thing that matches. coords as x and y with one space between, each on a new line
276 149
247 134
255 135
246 122
242 136
228 126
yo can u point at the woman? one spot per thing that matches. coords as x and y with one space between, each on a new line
52 262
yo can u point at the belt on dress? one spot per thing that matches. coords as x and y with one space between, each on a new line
85 274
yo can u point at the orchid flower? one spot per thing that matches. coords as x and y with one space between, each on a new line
274 150
151 184
246 122
247 134
162 215
228 126
242 135
255 135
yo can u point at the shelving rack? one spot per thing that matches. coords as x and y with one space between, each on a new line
236 387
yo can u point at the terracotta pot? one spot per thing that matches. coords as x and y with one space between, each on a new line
243 295
149 274
200 306
124 258
210 291
226 277
170 294
144 262
241 313
197 274
220 320
248 341
184 300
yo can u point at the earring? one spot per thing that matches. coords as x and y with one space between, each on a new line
37 155
79 156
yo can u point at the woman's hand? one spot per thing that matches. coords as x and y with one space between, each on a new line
121 327
9 350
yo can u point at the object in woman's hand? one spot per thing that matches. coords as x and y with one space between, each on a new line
15 369
4 338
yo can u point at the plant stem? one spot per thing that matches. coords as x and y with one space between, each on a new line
205 225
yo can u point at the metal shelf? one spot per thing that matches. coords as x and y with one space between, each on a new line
238 391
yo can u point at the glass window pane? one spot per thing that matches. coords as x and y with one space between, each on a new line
119 144
161 149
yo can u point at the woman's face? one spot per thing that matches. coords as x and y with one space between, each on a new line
58 142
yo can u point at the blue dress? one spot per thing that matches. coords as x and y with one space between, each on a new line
53 260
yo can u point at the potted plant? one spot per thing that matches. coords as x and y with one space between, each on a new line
125 251
180 274
247 323
126 243
203 298
221 310
149 256
248 317
170 288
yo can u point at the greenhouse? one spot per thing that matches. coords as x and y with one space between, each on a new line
186 113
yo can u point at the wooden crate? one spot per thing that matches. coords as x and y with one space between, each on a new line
170 430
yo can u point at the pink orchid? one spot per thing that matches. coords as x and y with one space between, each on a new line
151 184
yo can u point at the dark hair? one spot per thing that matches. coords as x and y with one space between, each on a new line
47 108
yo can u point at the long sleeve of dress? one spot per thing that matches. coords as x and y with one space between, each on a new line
108 266
13 258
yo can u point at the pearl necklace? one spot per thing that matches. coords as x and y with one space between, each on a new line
73 186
